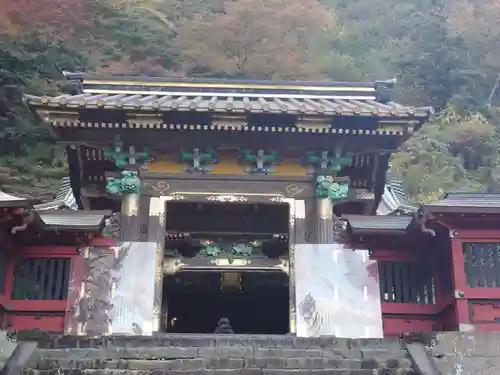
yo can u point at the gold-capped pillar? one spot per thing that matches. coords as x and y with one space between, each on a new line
130 223
128 186
328 191
324 221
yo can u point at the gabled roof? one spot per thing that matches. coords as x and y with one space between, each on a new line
394 200
359 224
7 200
65 194
73 220
64 198
230 96
474 203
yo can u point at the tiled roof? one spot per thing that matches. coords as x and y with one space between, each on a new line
7 200
64 198
73 220
238 97
65 194
480 203
394 200
313 106
360 223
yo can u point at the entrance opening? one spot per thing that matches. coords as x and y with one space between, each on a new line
227 218
254 302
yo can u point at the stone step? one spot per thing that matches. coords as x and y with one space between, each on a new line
376 357
242 371
198 364
111 353
208 340
204 354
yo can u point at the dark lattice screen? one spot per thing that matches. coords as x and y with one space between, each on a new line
41 279
406 282
482 264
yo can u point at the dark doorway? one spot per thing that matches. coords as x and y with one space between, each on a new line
219 218
196 301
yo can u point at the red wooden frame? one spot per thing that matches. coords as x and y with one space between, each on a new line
459 277
70 252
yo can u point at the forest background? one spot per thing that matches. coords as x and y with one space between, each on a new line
444 53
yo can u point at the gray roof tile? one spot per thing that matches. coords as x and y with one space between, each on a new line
230 96
394 200
7 200
375 223
73 220
233 103
466 203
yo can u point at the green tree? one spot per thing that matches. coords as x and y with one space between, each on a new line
453 152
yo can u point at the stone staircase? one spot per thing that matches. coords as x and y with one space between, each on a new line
218 354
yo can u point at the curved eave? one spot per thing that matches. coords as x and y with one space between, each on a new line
239 105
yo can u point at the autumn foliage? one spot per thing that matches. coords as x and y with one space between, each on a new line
56 15
262 39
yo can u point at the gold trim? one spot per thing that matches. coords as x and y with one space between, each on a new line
227 198
278 199
293 321
314 127
224 262
225 94
292 190
283 266
218 193
161 186
390 129
158 124
324 208
228 86
175 197
172 266
130 204
400 122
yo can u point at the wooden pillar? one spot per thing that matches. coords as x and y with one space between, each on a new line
156 233
324 221
130 220
461 304
328 189
309 221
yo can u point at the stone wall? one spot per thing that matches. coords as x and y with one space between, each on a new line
7 346
466 353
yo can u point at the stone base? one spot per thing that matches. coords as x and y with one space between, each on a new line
219 354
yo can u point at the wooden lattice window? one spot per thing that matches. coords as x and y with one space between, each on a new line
406 282
482 264
41 279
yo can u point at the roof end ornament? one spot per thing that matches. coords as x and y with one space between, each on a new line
383 90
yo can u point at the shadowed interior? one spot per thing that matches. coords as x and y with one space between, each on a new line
196 301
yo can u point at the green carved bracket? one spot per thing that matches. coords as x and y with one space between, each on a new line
120 157
129 183
323 161
260 161
326 187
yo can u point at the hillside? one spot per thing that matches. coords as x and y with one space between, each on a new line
444 54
